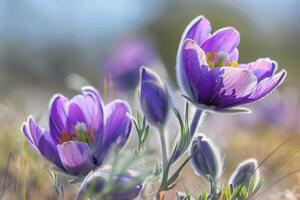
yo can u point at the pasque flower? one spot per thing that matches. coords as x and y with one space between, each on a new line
124 186
245 172
123 65
81 131
209 73
154 97
205 158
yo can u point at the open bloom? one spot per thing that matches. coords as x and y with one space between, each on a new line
209 73
125 186
154 98
81 131
123 65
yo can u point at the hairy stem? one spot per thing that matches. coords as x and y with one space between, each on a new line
164 151
195 121
164 155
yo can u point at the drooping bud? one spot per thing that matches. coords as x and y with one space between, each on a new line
244 173
125 186
205 158
154 98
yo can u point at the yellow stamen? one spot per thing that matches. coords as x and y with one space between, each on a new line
232 63
211 58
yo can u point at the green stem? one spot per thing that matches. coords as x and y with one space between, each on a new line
164 155
195 121
163 145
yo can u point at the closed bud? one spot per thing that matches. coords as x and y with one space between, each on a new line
205 158
245 172
154 98
125 186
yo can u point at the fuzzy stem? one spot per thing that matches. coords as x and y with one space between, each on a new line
195 121
163 145
164 155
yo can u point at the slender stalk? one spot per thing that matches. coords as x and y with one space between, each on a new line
163 145
195 121
164 155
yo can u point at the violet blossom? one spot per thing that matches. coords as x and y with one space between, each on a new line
210 75
81 131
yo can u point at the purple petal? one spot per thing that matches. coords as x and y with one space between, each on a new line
95 108
234 55
198 30
32 132
117 127
48 149
262 68
266 85
42 142
233 86
196 78
223 41
58 117
77 112
76 157
117 123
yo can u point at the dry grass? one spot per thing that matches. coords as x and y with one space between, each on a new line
27 176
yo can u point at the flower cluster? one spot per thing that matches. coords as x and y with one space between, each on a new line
82 131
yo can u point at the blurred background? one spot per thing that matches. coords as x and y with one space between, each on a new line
52 46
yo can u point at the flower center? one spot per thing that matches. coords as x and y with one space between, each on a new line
219 60
81 132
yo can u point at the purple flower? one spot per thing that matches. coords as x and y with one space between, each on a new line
209 73
123 65
81 131
154 98
125 186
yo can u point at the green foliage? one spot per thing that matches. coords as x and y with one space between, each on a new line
184 140
142 129
228 193
59 188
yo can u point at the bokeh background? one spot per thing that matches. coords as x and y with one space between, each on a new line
52 46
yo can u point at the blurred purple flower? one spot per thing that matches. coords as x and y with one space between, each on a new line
209 73
123 65
154 97
125 186
81 132
276 111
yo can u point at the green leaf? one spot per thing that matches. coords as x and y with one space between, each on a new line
227 192
176 174
139 118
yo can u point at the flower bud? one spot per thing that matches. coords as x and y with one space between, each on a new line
154 98
125 186
205 159
244 173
